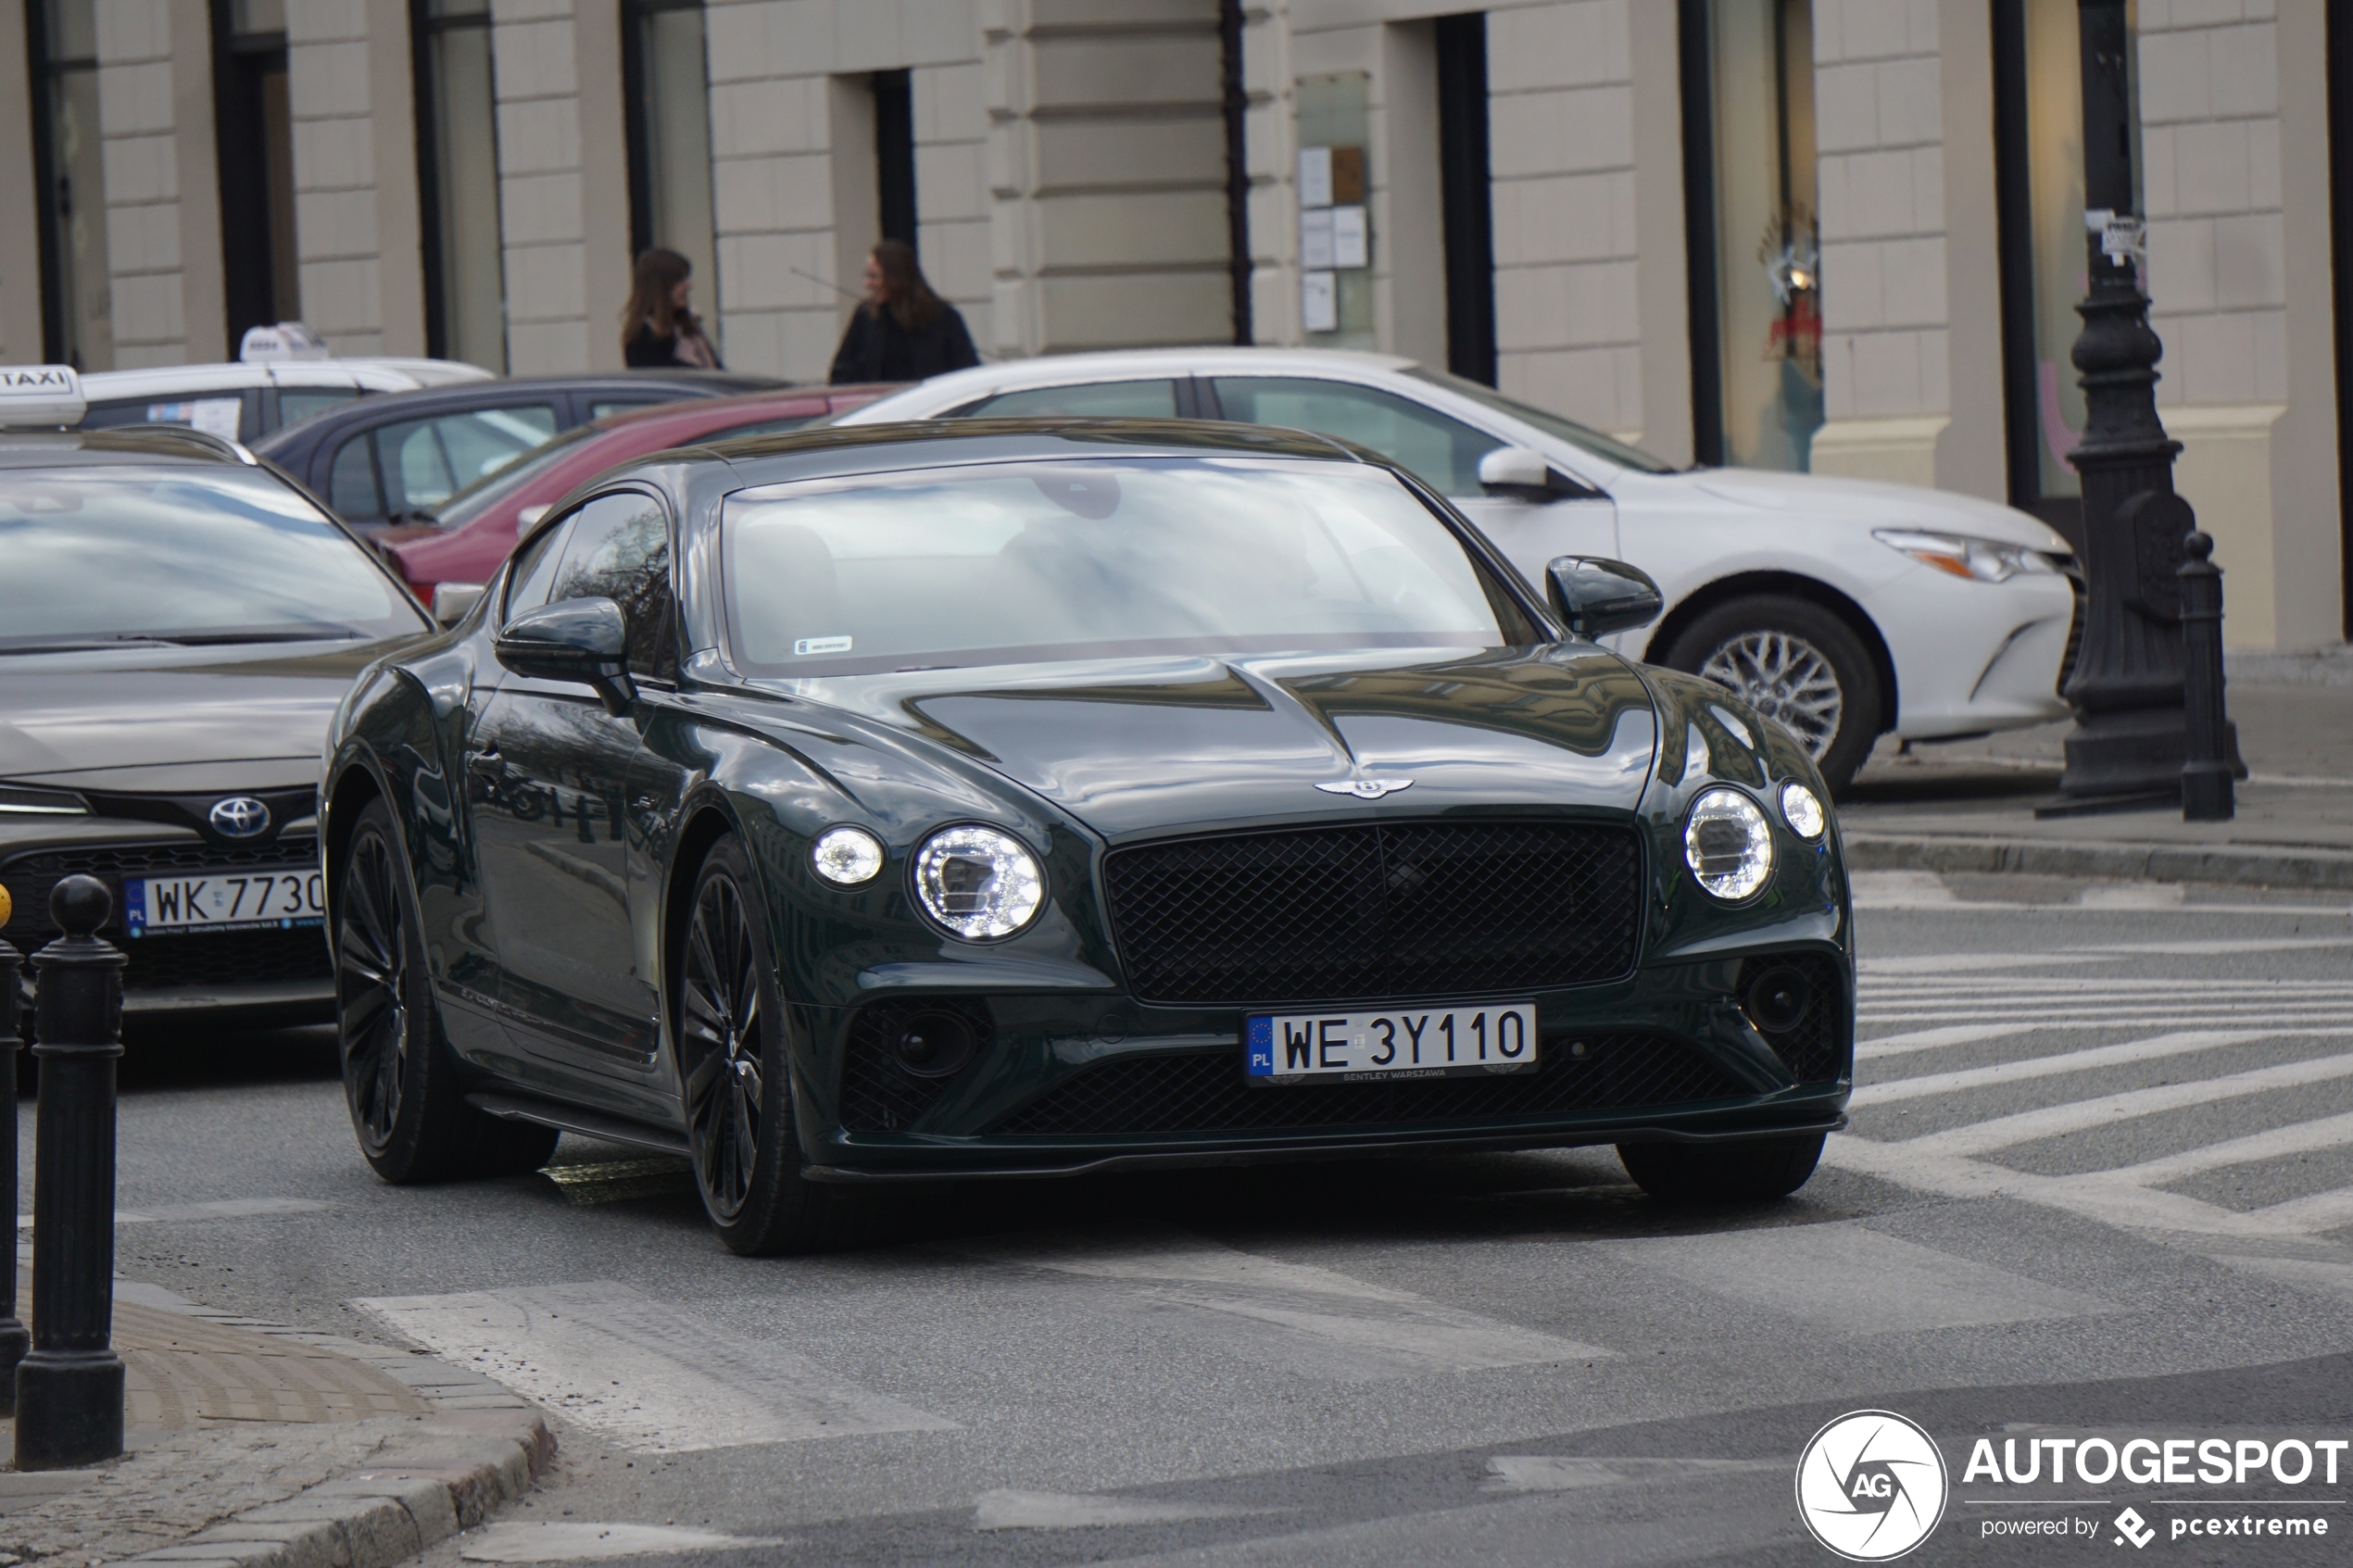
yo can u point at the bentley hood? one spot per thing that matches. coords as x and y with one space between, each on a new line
173 720
1140 745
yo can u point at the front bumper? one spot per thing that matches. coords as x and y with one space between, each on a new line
1064 1084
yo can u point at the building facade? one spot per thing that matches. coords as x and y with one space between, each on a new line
1836 235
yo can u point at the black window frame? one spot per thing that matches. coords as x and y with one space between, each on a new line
638 134
42 71
253 295
424 28
1465 185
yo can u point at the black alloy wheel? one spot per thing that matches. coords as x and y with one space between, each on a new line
401 1082
1796 663
735 1074
1753 1171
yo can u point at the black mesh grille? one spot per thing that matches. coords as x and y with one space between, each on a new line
1815 1048
1208 1094
879 1096
226 958
1415 909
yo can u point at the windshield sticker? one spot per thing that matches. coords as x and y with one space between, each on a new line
820 645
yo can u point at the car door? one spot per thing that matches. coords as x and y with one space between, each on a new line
1437 448
550 766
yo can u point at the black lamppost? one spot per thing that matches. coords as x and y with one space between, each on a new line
2129 743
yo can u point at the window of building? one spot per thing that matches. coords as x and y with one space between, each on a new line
253 127
669 88
2045 266
1749 217
2340 68
76 313
1466 195
458 175
895 153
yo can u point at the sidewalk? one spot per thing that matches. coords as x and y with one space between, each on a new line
253 1443
1968 805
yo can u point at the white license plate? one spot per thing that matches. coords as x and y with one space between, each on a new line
259 900
1414 1042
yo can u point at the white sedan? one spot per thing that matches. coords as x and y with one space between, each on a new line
1845 609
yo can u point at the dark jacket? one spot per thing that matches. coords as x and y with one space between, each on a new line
649 350
877 348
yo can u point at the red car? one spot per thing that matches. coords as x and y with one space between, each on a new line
478 525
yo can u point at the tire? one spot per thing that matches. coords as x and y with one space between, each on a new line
400 1077
1755 1171
735 1074
1794 661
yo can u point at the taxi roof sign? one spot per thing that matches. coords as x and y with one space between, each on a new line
286 341
40 397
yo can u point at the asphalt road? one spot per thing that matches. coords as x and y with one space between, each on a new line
2101 1156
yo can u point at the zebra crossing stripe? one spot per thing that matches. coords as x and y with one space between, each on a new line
2181 1043
2026 1126
2297 1137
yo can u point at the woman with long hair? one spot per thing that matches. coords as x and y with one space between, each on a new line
657 329
902 330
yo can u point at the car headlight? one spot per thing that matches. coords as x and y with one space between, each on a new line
1802 810
1727 845
978 882
847 856
1957 555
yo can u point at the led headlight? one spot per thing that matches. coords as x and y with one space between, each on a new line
978 882
1727 845
1958 555
1802 810
847 856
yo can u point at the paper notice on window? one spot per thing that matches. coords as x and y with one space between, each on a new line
1319 302
1315 176
214 415
1316 238
1350 245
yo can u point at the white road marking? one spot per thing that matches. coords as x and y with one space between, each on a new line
2313 1214
2297 1137
1928 1039
2181 1043
1006 1510
1322 1323
1899 890
1984 1137
2111 1202
2139 895
642 1373
1549 1472
2313 1273
1855 1280
224 1209
582 1542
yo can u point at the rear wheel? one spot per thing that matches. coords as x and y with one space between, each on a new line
400 1078
1797 663
741 1113
1728 1172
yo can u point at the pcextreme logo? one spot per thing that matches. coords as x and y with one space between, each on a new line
1870 1486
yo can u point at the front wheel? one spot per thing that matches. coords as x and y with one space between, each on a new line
1793 662
741 1117
1754 1171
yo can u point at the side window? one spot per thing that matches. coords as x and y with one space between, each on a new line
620 550
620 405
535 569
301 402
351 482
1119 399
427 461
1442 452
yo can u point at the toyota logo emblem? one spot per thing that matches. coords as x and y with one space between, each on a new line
240 816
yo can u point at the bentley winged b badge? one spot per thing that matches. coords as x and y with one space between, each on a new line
1366 789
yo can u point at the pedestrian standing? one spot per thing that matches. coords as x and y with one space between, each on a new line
658 331
902 330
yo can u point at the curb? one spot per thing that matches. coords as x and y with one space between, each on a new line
480 1447
2233 864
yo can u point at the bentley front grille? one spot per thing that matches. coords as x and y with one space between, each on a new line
1396 910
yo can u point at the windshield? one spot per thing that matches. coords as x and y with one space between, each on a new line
1028 562
460 507
166 556
1606 448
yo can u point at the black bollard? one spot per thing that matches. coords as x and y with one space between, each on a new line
2205 775
13 1339
69 1386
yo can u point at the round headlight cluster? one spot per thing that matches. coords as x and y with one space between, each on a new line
978 882
1727 845
847 856
1802 810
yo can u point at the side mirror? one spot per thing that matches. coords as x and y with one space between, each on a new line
452 602
1527 474
581 640
1595 596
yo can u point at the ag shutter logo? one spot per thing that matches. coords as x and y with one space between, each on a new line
2133 1528
1870 1486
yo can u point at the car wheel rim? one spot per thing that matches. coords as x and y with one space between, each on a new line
371 992
1786 679
725 1030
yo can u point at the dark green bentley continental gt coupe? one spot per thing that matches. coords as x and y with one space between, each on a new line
1009 798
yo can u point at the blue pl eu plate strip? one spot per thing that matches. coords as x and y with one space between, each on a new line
1261 1045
